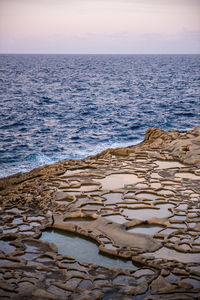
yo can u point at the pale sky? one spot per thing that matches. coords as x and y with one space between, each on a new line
100 26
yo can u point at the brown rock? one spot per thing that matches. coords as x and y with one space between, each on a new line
160 285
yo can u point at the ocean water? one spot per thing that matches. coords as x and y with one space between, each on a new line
56 107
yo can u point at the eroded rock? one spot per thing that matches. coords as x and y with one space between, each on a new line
140 203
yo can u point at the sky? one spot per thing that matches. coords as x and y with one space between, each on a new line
100 26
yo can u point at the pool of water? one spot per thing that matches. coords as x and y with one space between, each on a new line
148 196
113 198
171 254
187 175
83 250
148 213
118 181
6 247
116 218
146 229
168 164
85 188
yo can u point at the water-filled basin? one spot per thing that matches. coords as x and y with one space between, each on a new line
82 249
146 229
118 181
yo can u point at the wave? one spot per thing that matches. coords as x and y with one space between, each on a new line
75 106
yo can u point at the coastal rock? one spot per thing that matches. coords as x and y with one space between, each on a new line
139 203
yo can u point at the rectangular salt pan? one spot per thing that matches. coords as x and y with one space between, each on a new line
118 181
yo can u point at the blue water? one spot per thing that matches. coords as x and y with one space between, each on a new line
56 107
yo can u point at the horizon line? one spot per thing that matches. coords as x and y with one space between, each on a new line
76 53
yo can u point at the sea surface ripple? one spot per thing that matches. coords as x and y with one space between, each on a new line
56 107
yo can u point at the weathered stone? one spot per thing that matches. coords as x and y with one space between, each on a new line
160 285
39 293
151 189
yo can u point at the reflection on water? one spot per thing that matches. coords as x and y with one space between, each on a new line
187 175
6 247
116 218
117 181
83 249
148 229
148 213
168 164
166 253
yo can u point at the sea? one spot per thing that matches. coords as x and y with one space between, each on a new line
58 107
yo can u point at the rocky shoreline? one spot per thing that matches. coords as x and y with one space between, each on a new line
140 203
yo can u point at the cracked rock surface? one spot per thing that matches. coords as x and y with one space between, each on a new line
138 205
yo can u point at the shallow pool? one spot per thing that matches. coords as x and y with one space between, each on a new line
83 249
